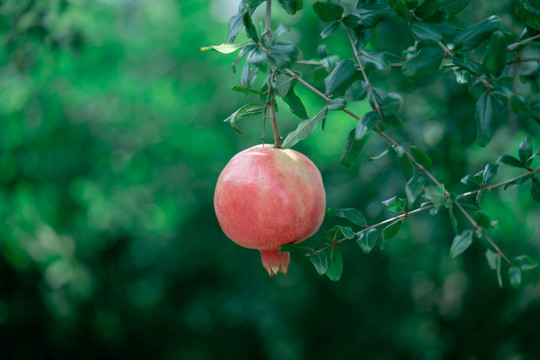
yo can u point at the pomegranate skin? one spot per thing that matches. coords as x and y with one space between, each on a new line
267 197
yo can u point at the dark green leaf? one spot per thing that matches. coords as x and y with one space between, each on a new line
243 52
512 161
246 110
489 172
525 262
461 243
320 262
535 189
249 74
534 108
251 31
483 220
495 57
235 24
291 6
335 263
341 74
246 90
357 91
374 60
391 230
514 275
469 65
322 51
415 187
498 266
470 203
304 129
401 9
347 232
295 104
472 36
337 104
365 124
516 183
328 11
426 61
528 17
351 214
485 115
426 33
470 180
427 9
394 204
404 163
282 54
532 157
329 29
352 149
525 150
367 240
421 157
452 7
518 104
294 247
370 15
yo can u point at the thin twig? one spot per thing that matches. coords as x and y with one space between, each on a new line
493 187
272 70
513 46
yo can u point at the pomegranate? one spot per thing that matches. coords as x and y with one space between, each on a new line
267 197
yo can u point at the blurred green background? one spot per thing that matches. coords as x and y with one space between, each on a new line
111 141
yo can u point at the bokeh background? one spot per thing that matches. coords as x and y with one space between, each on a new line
111 141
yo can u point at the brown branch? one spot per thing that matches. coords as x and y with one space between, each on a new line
513 46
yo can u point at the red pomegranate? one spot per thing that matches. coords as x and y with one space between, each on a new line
267 197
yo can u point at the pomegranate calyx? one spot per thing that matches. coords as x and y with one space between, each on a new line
275 262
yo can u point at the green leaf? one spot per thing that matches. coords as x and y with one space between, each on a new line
530 18
470 180
365 124
470 203
489 172
485 115
251 31
525 262
291 6
512 161
453 220
282 54
414 188
367 240
461 243
341 74
435 195
374 60
426 61
357 91
368 15
335 263
404 163
226 48
295 105
491 257
525 150
347 232
534 108
391 230
401 9
249 74
320 262
395 204
452 7
514 275
352 149
235 24
495 57
337 104
421 157
535 189
293 247
329 29
328 11
498 266
351 214
516 183
246 90
427 9
518 104
472 36
304 129
468 65
246 110
426 33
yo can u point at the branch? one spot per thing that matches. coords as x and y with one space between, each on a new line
272 104
513 46
427 207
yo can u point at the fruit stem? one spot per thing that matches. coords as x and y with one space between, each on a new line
272 104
